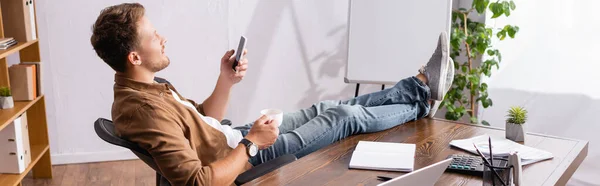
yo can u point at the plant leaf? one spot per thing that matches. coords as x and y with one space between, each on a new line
481 46
512 5
479 5
506 8
484 122
501 35
474 120
450 108
511 30
499 58
496 9
511 33
454 16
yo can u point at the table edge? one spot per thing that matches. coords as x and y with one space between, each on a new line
565 170
498 128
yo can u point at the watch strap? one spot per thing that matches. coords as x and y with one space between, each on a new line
248 145
246 142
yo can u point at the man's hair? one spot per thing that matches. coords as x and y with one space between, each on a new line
114 35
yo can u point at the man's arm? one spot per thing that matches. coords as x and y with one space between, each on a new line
164 139
215 105
226 170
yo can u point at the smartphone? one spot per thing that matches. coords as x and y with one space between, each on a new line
239 52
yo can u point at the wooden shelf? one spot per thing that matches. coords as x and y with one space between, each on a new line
16 48
14 25
37 151
8 115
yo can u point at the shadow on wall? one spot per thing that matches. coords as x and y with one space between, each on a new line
269 15
564 115
332 63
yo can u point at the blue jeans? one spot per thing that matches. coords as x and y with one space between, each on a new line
308 130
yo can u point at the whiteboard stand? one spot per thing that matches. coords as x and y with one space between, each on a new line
358 88
383 83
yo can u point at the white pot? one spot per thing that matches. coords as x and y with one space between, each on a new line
6 102
515 132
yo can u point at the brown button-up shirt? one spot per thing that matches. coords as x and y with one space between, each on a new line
180 142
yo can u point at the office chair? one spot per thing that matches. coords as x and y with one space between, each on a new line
105 129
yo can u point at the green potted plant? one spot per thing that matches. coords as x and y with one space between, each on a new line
6 99
475 56
517 116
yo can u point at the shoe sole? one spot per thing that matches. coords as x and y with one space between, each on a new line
433 109
443 69
436 104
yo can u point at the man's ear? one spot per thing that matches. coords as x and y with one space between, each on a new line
134 58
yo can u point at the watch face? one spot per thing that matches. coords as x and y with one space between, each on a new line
253 150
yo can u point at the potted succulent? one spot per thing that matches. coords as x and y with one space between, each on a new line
517 116
6 99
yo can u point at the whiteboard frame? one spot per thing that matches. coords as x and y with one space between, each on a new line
347 80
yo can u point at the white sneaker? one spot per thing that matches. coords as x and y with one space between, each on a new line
436 69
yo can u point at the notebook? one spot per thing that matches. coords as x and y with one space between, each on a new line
22 79
501 147
383 156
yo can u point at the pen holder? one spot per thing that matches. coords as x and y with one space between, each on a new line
489 179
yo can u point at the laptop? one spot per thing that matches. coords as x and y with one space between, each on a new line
426 176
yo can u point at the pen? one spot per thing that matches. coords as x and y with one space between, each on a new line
490 146
491 156
486 161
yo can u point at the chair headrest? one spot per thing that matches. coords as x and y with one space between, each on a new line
161 80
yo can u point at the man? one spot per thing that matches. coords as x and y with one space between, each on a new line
186 139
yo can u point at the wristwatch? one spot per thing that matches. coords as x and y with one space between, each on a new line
251 148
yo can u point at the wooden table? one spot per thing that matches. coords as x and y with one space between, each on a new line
329 166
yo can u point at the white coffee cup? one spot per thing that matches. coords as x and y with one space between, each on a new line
275 114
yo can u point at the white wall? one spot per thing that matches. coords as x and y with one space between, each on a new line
297 51
79 85
297 54
551 68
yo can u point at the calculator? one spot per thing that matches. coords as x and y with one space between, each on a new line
471 165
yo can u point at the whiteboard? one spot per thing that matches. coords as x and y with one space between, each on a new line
389 40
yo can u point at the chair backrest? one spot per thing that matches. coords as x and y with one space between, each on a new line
161 80
105 129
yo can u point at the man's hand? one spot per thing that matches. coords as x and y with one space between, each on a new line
216 104
264 132
230 76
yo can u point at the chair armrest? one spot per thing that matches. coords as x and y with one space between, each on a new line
264 168
226 122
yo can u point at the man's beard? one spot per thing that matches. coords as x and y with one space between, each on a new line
155 67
